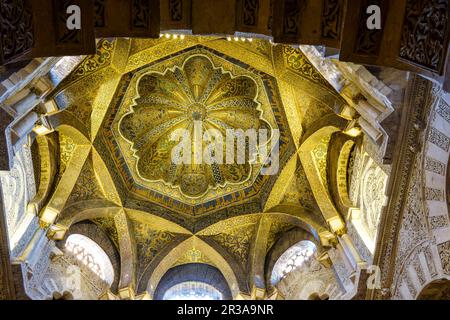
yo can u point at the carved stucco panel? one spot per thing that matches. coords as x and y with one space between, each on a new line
19 188
414 224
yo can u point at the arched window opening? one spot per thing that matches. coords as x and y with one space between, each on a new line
192 290
292 259
193 281
91 255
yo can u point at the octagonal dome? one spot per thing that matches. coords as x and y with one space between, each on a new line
197 92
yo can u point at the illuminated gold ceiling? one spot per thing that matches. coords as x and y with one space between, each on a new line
192 94
127 100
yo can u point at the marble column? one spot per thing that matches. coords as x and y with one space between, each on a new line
351 253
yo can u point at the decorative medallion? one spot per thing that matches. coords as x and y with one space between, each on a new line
198 98
209 98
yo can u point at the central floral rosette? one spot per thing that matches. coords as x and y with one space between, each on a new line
196 95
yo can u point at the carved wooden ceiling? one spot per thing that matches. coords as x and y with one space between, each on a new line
414 34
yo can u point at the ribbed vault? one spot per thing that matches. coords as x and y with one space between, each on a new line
116 111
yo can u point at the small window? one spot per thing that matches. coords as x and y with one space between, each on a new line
291 259
91 255
193 290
